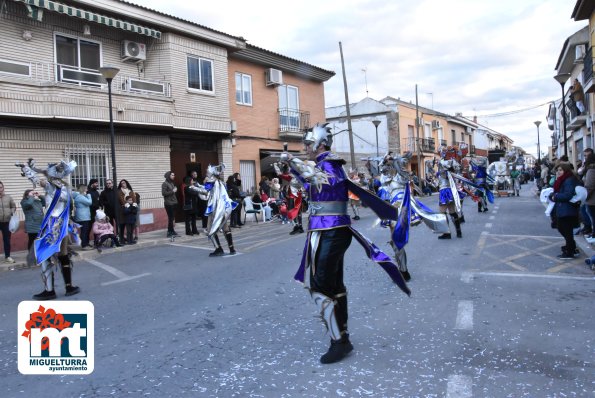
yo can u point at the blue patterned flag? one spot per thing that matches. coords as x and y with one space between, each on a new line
53 230
401 233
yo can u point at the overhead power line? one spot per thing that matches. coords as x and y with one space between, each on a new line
510 112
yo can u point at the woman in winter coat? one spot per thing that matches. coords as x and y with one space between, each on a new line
124 190
32 205
565 212
82 213
190 198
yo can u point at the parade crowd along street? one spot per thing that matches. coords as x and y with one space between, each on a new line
61 218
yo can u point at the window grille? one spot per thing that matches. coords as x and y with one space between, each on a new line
92 162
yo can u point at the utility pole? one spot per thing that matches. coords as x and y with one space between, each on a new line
417 143
351 150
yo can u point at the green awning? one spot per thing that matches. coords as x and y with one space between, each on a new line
36 7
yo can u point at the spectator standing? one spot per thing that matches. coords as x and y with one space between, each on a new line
190 195
130 211
565 212
124 190
107 201
82 213
233 191
170 201
275 188
201 202
92 189
32 205
7 209
137 225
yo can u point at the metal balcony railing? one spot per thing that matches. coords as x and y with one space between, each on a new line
293 121
45 72
588 65
425 145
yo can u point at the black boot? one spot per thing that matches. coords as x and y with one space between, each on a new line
45 295
445 236
338 350
479 207
67 275
406 275
218 249
457 222
296 230
230 243
217 253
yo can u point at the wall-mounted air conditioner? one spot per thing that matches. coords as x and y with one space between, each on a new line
579 52
274 77
133 51
436 124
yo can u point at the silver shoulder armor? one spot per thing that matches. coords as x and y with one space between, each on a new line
309 172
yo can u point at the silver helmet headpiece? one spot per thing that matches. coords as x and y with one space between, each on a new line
61 169
318 135
215 171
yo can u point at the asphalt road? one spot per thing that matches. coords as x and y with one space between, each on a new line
493 314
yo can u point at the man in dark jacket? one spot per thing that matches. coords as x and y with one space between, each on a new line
92 190
107 200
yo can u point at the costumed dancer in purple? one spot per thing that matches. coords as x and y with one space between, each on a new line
57 229
330 234
449 199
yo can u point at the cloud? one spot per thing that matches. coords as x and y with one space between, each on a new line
475 57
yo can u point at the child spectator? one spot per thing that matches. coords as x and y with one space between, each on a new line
130 209
103 230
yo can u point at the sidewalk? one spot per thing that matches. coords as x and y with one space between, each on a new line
145 239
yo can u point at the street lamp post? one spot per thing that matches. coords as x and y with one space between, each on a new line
108 73
376 123
537 123
562 78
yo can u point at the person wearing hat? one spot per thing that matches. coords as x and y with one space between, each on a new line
103 230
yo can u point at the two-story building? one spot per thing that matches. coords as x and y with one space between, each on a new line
170 99
273 99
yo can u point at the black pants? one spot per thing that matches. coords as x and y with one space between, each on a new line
328 276
236 214
190 221
32 236
170 210
5 238
565 227
85 230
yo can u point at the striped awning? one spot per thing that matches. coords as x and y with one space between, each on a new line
36 8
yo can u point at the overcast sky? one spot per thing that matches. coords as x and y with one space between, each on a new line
478 57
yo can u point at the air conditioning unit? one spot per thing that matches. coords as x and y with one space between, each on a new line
274 77
133 51
436 124
579 52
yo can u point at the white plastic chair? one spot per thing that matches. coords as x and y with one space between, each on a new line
253 208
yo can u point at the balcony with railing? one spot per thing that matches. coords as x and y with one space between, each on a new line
292 123
425 145
574 118
43 73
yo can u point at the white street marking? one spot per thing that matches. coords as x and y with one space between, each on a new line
459 386
492 217
527 275
465 316
467 277
488 225
122 277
